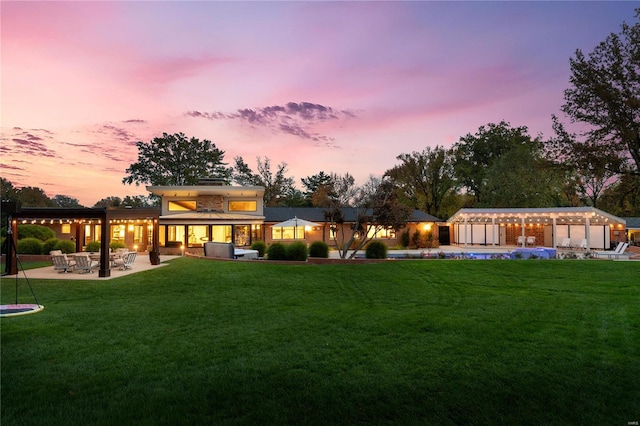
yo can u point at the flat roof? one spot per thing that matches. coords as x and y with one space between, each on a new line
195 190
564 215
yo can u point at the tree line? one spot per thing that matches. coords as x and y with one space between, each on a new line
497 166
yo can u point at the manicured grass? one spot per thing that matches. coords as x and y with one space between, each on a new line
403 342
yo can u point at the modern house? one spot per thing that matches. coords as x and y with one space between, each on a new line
211 211
192 215
585 227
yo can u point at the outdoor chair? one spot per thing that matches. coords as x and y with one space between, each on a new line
619 251
521 240
583 244
126 261
531 241
566 243
84 264
62 263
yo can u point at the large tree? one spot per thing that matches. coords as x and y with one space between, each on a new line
605 94
278 188
424 178
474 155
176 160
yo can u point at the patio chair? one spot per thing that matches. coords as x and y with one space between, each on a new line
583 244
521 240
566 243
126 261
531 241
619 251
62 263
84 264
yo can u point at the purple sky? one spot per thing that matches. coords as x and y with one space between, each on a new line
323 86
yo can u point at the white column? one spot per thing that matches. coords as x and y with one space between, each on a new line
466 235
587 232
554 240
493 231
524 240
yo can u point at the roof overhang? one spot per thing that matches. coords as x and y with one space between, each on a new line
195 190
561 215
208 218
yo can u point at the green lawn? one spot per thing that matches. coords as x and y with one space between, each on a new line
404 342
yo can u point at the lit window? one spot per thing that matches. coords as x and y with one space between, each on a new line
186 205
287 233
243 206
221 233
66 228
198 235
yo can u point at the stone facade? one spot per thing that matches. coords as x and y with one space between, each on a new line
213 203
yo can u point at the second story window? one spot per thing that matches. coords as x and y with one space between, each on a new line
180 206
243 206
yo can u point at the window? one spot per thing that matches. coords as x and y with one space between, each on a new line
175 234
180 206
117 233
287 233
243 206
198 235
381 233
138 234
242 235
66 228
221 233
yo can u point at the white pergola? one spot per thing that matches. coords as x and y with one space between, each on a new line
485 226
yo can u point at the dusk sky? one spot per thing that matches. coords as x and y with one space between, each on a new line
323 86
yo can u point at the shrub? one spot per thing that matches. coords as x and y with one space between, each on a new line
431 241
416 239
376 250
66 246
35 231
29 245
405 239
297 251
319 249
116 245
49 245
260 246
93 246
277 251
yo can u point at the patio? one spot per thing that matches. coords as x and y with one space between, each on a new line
141 263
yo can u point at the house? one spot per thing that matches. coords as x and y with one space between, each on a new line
212 211
328 233
584 227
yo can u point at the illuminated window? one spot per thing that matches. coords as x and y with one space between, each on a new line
243 206
287 233
221 233
175 233
138 234
242 235
381 233
198 235
117 233
180 206
66 228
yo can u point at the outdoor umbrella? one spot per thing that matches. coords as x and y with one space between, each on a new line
295 222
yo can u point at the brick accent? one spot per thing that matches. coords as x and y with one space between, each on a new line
214 203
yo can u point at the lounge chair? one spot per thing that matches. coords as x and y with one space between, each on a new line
531 241
126 261
583 244
84 264
521 240
62 263
619 251
566 243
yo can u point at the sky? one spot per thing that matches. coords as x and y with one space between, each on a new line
342 87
